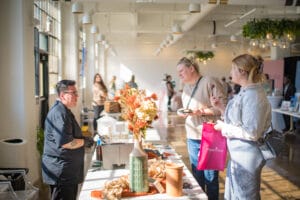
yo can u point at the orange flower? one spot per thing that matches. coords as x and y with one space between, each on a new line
154 96
138 109
116 98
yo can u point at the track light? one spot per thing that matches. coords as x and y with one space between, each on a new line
248 13
230 23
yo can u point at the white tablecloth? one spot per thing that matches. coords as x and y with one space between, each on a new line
277 118
96 178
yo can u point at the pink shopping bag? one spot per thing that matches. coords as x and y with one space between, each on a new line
213 149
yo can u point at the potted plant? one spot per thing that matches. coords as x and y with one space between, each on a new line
40 140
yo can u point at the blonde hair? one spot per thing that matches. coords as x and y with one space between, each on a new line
252 65
189 63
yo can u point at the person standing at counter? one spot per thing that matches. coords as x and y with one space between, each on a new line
63 156
288 92
196 97
246 118
112 87
170 90
99 98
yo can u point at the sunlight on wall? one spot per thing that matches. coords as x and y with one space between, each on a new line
125 73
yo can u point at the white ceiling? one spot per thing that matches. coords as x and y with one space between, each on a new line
126 22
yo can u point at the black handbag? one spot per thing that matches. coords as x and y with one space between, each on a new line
271 144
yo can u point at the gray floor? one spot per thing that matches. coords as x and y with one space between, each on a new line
280 177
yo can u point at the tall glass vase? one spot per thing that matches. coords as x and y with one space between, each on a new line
138 166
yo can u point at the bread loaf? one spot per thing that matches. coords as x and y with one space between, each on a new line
112 107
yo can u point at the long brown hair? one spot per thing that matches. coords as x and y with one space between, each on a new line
101 83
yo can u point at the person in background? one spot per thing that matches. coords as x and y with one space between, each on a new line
132 82
268 85
236 89
113 86
63 156
99 97
246 118
196 97
227 86
288 92
170 90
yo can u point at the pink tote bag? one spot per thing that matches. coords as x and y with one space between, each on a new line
213 149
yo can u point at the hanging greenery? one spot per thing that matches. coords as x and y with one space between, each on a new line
201 55
259 29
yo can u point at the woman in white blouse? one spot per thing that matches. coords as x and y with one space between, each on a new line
99 97
246 117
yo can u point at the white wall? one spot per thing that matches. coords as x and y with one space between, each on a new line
149 69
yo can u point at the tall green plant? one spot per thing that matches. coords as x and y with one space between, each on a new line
40 140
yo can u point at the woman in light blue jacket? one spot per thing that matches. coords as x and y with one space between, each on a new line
246 117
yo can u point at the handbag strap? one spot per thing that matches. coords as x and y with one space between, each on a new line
265 134
193 92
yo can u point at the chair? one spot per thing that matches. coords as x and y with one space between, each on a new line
15 186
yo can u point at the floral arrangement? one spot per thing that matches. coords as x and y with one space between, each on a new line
138 109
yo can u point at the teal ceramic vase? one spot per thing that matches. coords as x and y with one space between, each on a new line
138 166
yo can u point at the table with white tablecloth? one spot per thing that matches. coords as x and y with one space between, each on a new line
96 177
289 113
277 118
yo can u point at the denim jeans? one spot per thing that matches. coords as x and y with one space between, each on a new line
97 112
207 179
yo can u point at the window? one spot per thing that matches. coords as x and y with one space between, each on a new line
47 12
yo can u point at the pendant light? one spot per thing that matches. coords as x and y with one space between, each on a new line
176 29
94 29
77 8
194 8
86 19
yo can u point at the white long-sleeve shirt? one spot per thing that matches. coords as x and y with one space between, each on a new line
248 114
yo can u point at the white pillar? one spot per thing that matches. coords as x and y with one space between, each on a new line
70 67
70 44
90 65
18 111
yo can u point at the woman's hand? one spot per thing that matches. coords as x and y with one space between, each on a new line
199 112
219 125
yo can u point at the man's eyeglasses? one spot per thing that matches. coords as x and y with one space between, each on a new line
75 93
